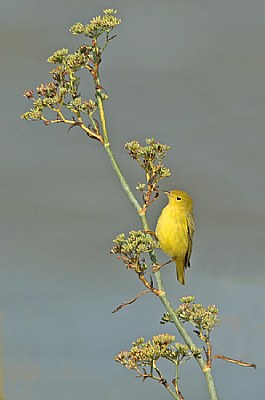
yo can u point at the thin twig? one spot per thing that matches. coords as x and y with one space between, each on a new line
149 286
180 396
175 382
208 352
232 360
130 302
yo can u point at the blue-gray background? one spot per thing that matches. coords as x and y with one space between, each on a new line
190 73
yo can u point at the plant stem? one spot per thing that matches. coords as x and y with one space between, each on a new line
116 168
173 394
186 337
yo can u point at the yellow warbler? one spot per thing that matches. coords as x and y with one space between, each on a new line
174 230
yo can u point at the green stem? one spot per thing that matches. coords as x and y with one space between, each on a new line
186 337
123 182
116 168
210 383
173 394
161 379
177 374
176 380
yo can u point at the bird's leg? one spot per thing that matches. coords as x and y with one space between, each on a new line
148 232
156 267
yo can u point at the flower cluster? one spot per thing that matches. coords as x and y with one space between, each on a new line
85 106
144 353
58 57
98 25
63 92
71 62
150 158
203 319
131 249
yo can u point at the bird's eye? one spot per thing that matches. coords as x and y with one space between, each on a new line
179 198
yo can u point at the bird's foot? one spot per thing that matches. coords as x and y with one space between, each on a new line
148 232
156 267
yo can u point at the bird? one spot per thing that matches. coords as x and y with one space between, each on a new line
175 230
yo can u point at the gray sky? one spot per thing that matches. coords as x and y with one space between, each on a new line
191 74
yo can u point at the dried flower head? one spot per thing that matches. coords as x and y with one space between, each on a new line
204 319
144 353
131 249
98 25
150 158
58 57
63 94
28 94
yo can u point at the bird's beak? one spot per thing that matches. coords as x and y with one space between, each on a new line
167 193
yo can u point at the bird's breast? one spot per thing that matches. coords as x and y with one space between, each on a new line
171 231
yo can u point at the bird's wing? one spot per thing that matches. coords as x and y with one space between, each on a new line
190 232
190 223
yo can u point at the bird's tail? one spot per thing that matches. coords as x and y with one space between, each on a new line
180 268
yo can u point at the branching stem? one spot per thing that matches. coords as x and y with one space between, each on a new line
182 331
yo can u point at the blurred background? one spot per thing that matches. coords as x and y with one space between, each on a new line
191 74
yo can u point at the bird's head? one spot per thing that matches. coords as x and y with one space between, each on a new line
179 198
